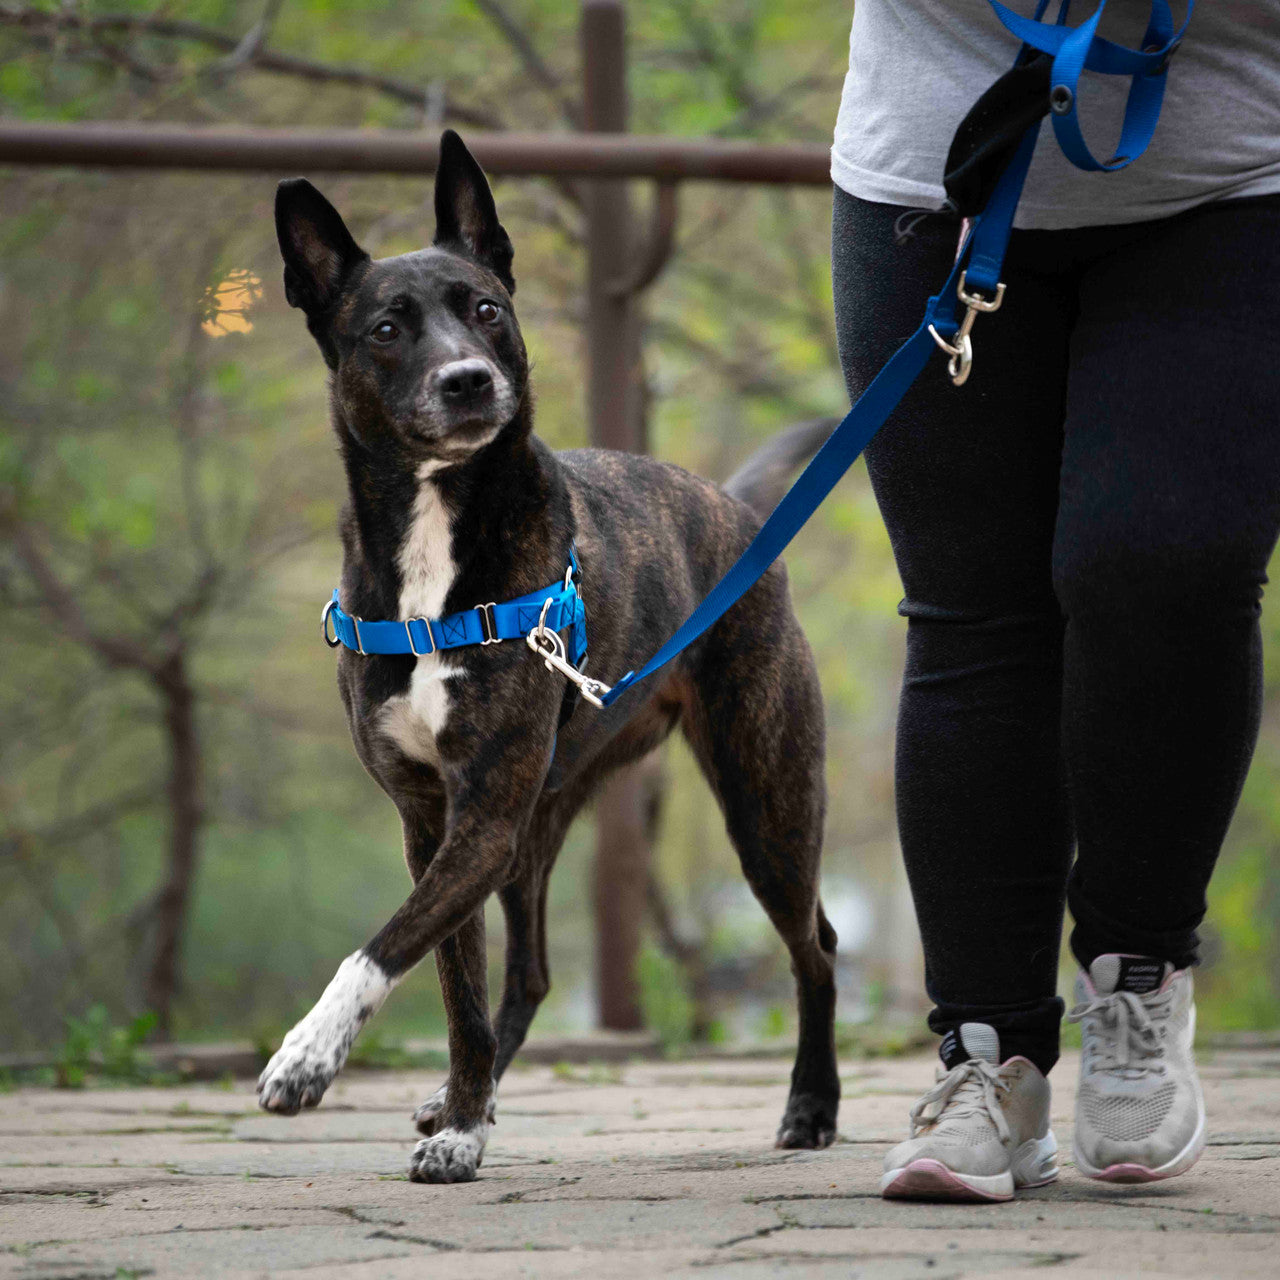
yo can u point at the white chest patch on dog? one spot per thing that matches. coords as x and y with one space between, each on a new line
413 719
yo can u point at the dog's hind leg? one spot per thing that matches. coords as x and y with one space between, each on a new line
528 976
527 981
757 728
460 1129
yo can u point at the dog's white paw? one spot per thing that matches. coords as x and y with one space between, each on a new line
314 1051
452 1155
297 1076
427 1117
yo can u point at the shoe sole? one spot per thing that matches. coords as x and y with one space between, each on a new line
1131 1172
1033 1165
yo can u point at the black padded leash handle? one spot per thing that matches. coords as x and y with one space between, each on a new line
989 135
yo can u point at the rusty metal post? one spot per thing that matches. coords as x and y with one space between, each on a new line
615 413
613 345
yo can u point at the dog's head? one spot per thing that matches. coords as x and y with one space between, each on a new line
425 350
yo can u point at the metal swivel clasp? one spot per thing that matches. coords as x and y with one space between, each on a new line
960 348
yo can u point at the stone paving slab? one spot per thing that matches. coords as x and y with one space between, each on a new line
618 1171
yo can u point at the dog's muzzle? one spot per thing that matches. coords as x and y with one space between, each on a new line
467 397
463 384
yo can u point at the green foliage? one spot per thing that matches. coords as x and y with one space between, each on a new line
665 999
775 1022
882 1039
375 1051
590 1073
95 1048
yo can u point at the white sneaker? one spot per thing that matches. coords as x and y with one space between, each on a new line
982 1130
1140 1110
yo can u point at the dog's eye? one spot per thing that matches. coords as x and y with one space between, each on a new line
384 331
488 312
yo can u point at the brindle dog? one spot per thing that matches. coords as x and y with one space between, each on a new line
453 500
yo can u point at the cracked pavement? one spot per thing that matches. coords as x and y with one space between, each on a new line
641 1170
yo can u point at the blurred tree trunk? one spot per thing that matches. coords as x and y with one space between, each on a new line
168 674
623 855
615 409
186 815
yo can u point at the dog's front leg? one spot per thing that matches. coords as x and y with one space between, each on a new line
471 862
313 1052
490 797
524 902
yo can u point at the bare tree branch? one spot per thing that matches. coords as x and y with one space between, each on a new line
135 66
518 38
708 50
253 42
780 106
45 23
86 822
743 371
61 602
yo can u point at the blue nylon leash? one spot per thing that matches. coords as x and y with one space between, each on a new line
978 286
817 480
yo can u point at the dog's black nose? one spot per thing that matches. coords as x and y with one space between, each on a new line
464 381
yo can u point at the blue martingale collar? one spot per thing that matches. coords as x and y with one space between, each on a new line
541 613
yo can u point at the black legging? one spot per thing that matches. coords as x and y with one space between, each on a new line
1082 533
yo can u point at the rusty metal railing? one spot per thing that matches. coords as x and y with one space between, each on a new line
568 155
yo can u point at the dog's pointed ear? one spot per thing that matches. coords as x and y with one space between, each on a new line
466 216
319 252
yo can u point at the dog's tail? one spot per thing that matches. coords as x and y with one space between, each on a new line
762 480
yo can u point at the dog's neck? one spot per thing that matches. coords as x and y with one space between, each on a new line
417 531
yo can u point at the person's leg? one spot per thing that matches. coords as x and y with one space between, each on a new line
1170 507
1169 512
967 483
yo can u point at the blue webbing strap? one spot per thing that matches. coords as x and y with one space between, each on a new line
1074 50
817 480
485 624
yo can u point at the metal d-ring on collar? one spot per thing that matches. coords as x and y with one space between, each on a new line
329 607
550 648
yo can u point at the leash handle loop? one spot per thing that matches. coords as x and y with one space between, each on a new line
1077 49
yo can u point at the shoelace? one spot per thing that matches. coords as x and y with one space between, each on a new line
969 1088
1131 1036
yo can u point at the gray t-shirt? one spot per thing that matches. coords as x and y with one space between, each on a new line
917 66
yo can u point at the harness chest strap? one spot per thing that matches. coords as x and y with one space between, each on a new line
536 618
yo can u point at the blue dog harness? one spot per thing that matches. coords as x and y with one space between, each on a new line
536 618
973 285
